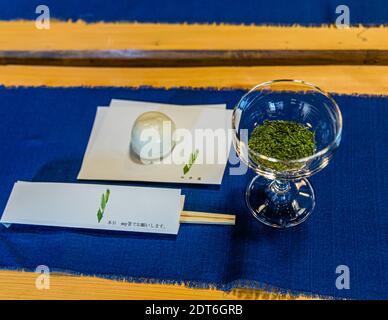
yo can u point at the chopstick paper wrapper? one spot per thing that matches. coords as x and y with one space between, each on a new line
90 206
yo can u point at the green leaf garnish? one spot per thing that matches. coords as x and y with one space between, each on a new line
99 215
104 201
193 157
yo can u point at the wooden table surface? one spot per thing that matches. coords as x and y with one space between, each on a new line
356 79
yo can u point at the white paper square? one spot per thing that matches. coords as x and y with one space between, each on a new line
108 153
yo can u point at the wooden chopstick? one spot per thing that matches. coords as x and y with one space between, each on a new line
207 218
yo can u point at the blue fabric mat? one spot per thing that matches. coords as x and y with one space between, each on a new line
44 132
372 12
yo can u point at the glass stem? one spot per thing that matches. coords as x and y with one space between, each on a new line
279 192
280 186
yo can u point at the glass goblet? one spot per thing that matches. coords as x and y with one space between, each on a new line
280 195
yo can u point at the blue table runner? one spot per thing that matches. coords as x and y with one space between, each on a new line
260 12
44 132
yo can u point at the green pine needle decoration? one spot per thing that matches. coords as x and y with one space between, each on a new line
282 140
103 203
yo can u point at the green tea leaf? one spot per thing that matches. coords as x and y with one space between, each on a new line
282 140
107 195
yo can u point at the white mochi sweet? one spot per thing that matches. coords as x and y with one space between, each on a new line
151 136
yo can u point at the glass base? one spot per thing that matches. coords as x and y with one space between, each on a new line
280 204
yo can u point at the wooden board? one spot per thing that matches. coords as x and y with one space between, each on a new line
171 45
194 58
23 35
21 285
339 79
